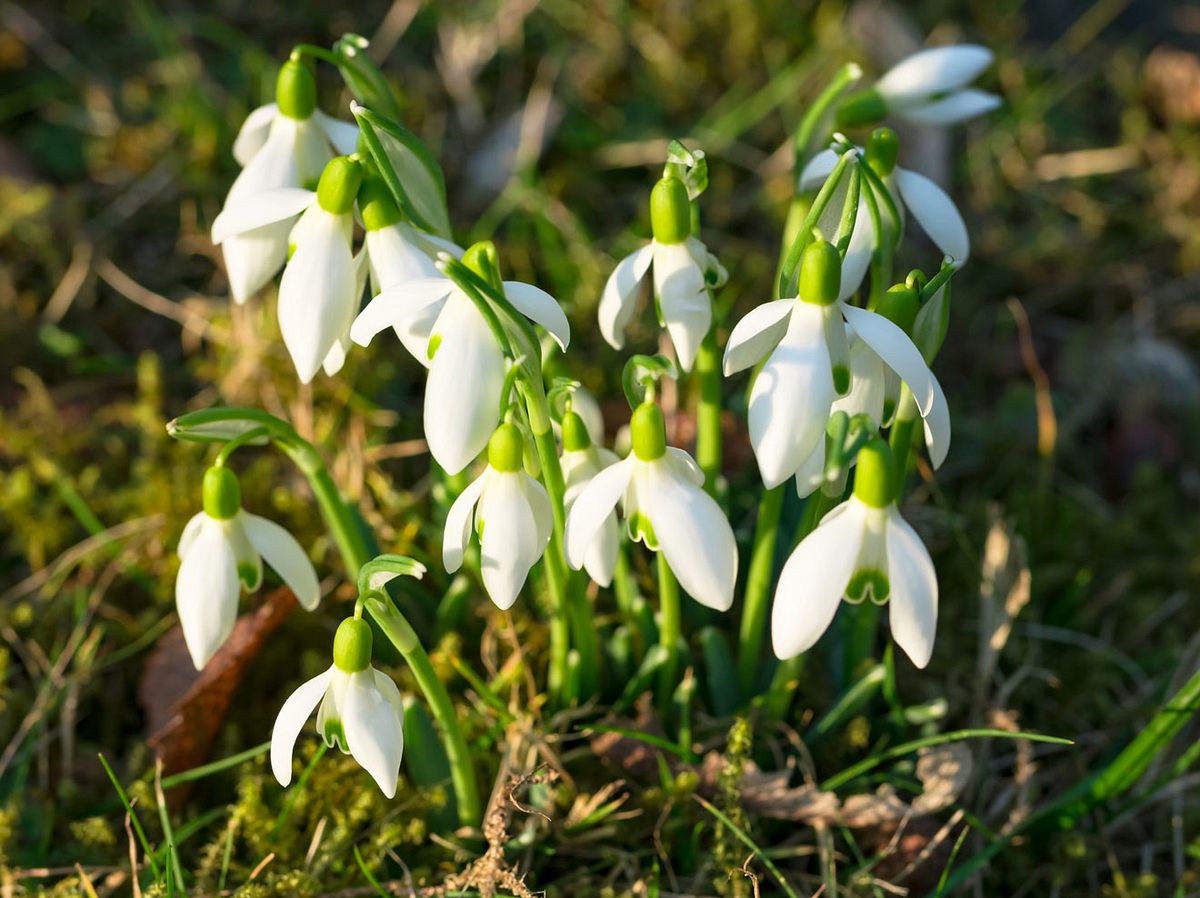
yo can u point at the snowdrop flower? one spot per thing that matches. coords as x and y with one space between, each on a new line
466 362
222 549
681 270
320 289
361 711
914 193
862 549
511 514
803 340
397 252
665 507
878 357
928 88
285 144
581 462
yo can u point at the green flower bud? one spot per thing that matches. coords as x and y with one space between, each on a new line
506 449
900 305
874 476
352 645
338 187
222 493
670 211
882 150
378 207
296 90
820 273
648 430
483 259
575 433
863 107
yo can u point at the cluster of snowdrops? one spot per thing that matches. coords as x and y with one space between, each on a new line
842 390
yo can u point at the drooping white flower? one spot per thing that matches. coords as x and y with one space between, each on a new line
283 145
581 461
862 549
322 284
931 86
930 206
682 269
510 512
222 549
807 366
466 362
361 712
665 507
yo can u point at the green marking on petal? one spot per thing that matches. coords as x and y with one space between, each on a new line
868 584
841 379
334 734
432 347
249 575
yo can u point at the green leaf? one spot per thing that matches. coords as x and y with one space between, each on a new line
408 168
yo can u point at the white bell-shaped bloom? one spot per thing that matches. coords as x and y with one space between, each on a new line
465 360
510 512
682 270
931 87
581 461
222 549
862 549
662 493
913 193
283 145
803 340
361 712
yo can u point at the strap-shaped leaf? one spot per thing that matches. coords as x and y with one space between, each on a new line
363 77
408 168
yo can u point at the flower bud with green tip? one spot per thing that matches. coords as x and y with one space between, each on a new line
221 550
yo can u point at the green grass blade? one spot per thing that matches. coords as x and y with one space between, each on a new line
137 824
201 772
749 843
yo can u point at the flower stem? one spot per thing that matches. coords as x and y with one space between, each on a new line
571 619
901 437
668 630
758 588
462 774
708 413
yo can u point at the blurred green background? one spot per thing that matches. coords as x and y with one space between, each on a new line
1070 492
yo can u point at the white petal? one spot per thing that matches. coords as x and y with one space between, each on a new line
620 295
462 394
791 397
814 579
206 592
290 721
857 260
934 71
811 473
685 466
343 135
408 307
759 331
191 530
958 107
692 533
866 384
818 169
937 426
457 533
585 405
592 507
897 350
539 306
539 504
253 133
397 255
600 562
254 258
374 731
285 556
935 212
510 543
683 298
914 590
316 295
